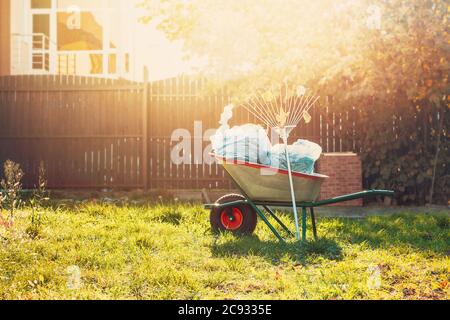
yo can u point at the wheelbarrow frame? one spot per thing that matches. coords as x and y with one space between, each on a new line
305 206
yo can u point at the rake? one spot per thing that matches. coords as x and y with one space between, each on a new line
283 113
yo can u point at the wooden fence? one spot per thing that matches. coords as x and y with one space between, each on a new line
103 133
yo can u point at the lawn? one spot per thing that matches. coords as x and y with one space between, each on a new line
101 251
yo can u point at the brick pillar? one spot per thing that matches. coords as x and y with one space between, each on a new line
345 172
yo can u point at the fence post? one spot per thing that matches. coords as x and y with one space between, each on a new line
145 102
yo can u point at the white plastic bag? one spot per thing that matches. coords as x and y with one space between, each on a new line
247 143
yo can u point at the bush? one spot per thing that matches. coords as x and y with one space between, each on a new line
11 187
396 95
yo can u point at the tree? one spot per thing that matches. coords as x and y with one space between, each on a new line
386 61
259 43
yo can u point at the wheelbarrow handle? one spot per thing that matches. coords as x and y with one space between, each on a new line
352 196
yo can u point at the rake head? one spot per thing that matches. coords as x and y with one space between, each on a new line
282 112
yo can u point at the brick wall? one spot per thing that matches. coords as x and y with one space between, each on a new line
345 172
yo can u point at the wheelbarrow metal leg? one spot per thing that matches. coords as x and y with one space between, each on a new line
313 223
263 217
273 215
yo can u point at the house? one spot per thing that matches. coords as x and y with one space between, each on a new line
69 37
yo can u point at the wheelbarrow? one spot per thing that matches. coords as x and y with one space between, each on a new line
264 187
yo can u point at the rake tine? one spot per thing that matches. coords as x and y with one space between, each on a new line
307 108
257 112
299 106
272 115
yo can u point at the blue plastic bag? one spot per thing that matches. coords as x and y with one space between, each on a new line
303 155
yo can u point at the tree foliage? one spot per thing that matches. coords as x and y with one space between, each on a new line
259 43
388 61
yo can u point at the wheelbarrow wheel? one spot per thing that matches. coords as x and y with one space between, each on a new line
239 219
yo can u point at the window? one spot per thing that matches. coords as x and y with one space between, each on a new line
41 4
88 35
40 41
41 24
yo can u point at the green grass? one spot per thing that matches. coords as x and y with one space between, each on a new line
168 252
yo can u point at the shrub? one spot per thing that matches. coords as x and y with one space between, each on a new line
11 187
38 200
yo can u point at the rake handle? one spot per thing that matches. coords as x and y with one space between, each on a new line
291 185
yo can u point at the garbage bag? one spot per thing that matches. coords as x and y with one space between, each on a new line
248 143
303 155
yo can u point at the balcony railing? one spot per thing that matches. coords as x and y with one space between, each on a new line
38 54
67 64
32 54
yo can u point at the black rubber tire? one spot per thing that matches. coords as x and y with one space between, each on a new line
249 216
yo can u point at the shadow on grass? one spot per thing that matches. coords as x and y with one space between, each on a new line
274 251
427 233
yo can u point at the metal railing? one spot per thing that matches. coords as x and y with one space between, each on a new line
67 64
37 54
32 53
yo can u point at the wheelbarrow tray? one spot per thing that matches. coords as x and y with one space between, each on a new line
268 184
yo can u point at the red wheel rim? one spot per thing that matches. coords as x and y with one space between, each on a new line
232 221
